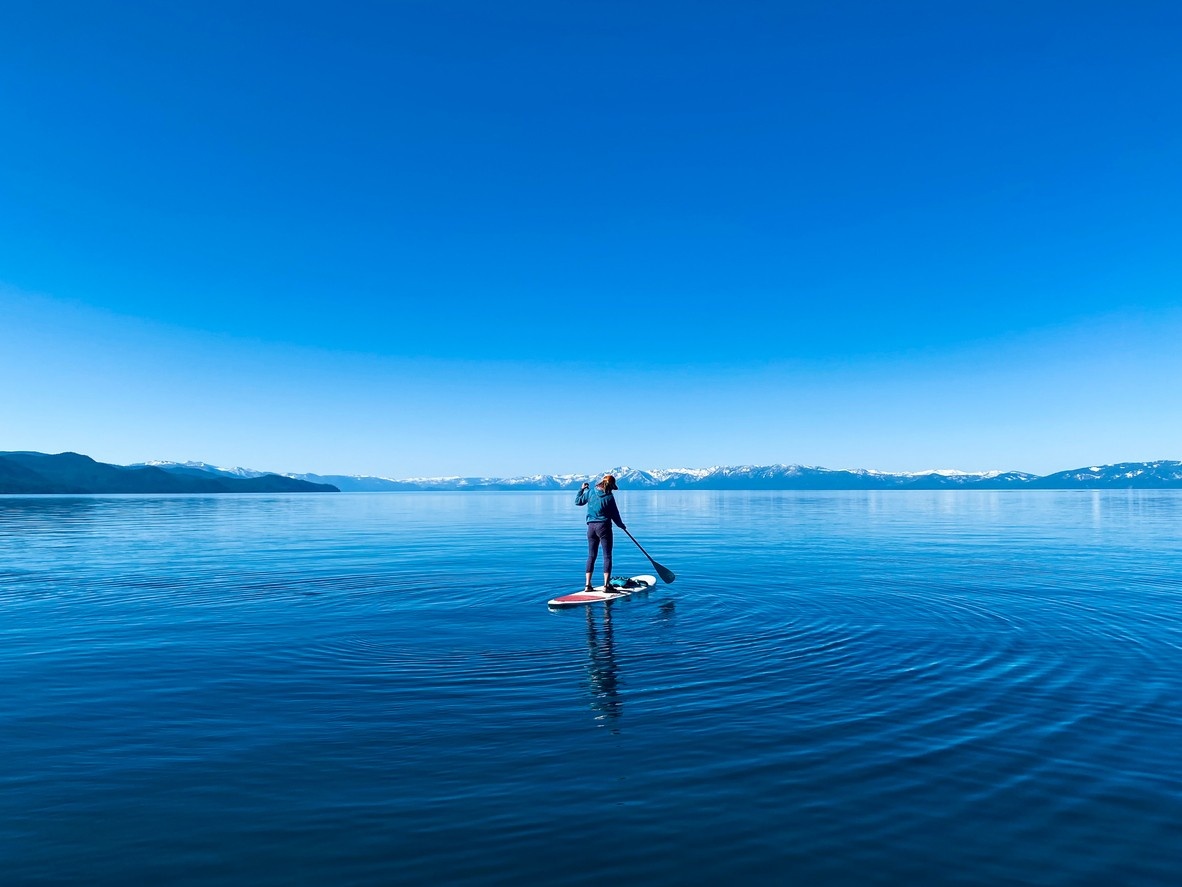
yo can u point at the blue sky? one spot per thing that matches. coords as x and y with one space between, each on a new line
426 238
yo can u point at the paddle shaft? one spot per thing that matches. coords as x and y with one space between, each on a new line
666 574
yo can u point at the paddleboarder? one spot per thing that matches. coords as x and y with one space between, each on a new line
602 512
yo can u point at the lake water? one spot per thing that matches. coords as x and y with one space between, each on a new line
839 688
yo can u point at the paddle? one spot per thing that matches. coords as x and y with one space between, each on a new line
666 574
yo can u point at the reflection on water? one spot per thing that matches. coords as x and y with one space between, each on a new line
602 670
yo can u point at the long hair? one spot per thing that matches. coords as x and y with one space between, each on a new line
608 483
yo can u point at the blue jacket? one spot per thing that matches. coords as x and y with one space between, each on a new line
600 506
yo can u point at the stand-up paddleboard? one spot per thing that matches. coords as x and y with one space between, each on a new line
635 584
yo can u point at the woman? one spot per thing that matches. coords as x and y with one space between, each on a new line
602 512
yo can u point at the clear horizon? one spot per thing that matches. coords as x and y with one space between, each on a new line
619 469
413 241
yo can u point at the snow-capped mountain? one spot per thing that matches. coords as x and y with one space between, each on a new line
1157 475
199 468
788 477
1130 475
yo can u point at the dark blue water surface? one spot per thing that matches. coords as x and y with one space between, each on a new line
839 688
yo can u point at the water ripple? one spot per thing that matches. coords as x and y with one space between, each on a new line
839 688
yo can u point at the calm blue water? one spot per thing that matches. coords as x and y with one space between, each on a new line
840 688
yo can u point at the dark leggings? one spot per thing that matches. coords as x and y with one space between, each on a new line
599 531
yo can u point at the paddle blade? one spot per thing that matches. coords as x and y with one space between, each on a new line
666 575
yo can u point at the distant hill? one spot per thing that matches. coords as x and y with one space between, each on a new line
72 473
343 482
38 473
15 478
201 469
1134 475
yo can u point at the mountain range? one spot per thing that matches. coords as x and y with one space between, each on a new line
1145 475
38 473
23 472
